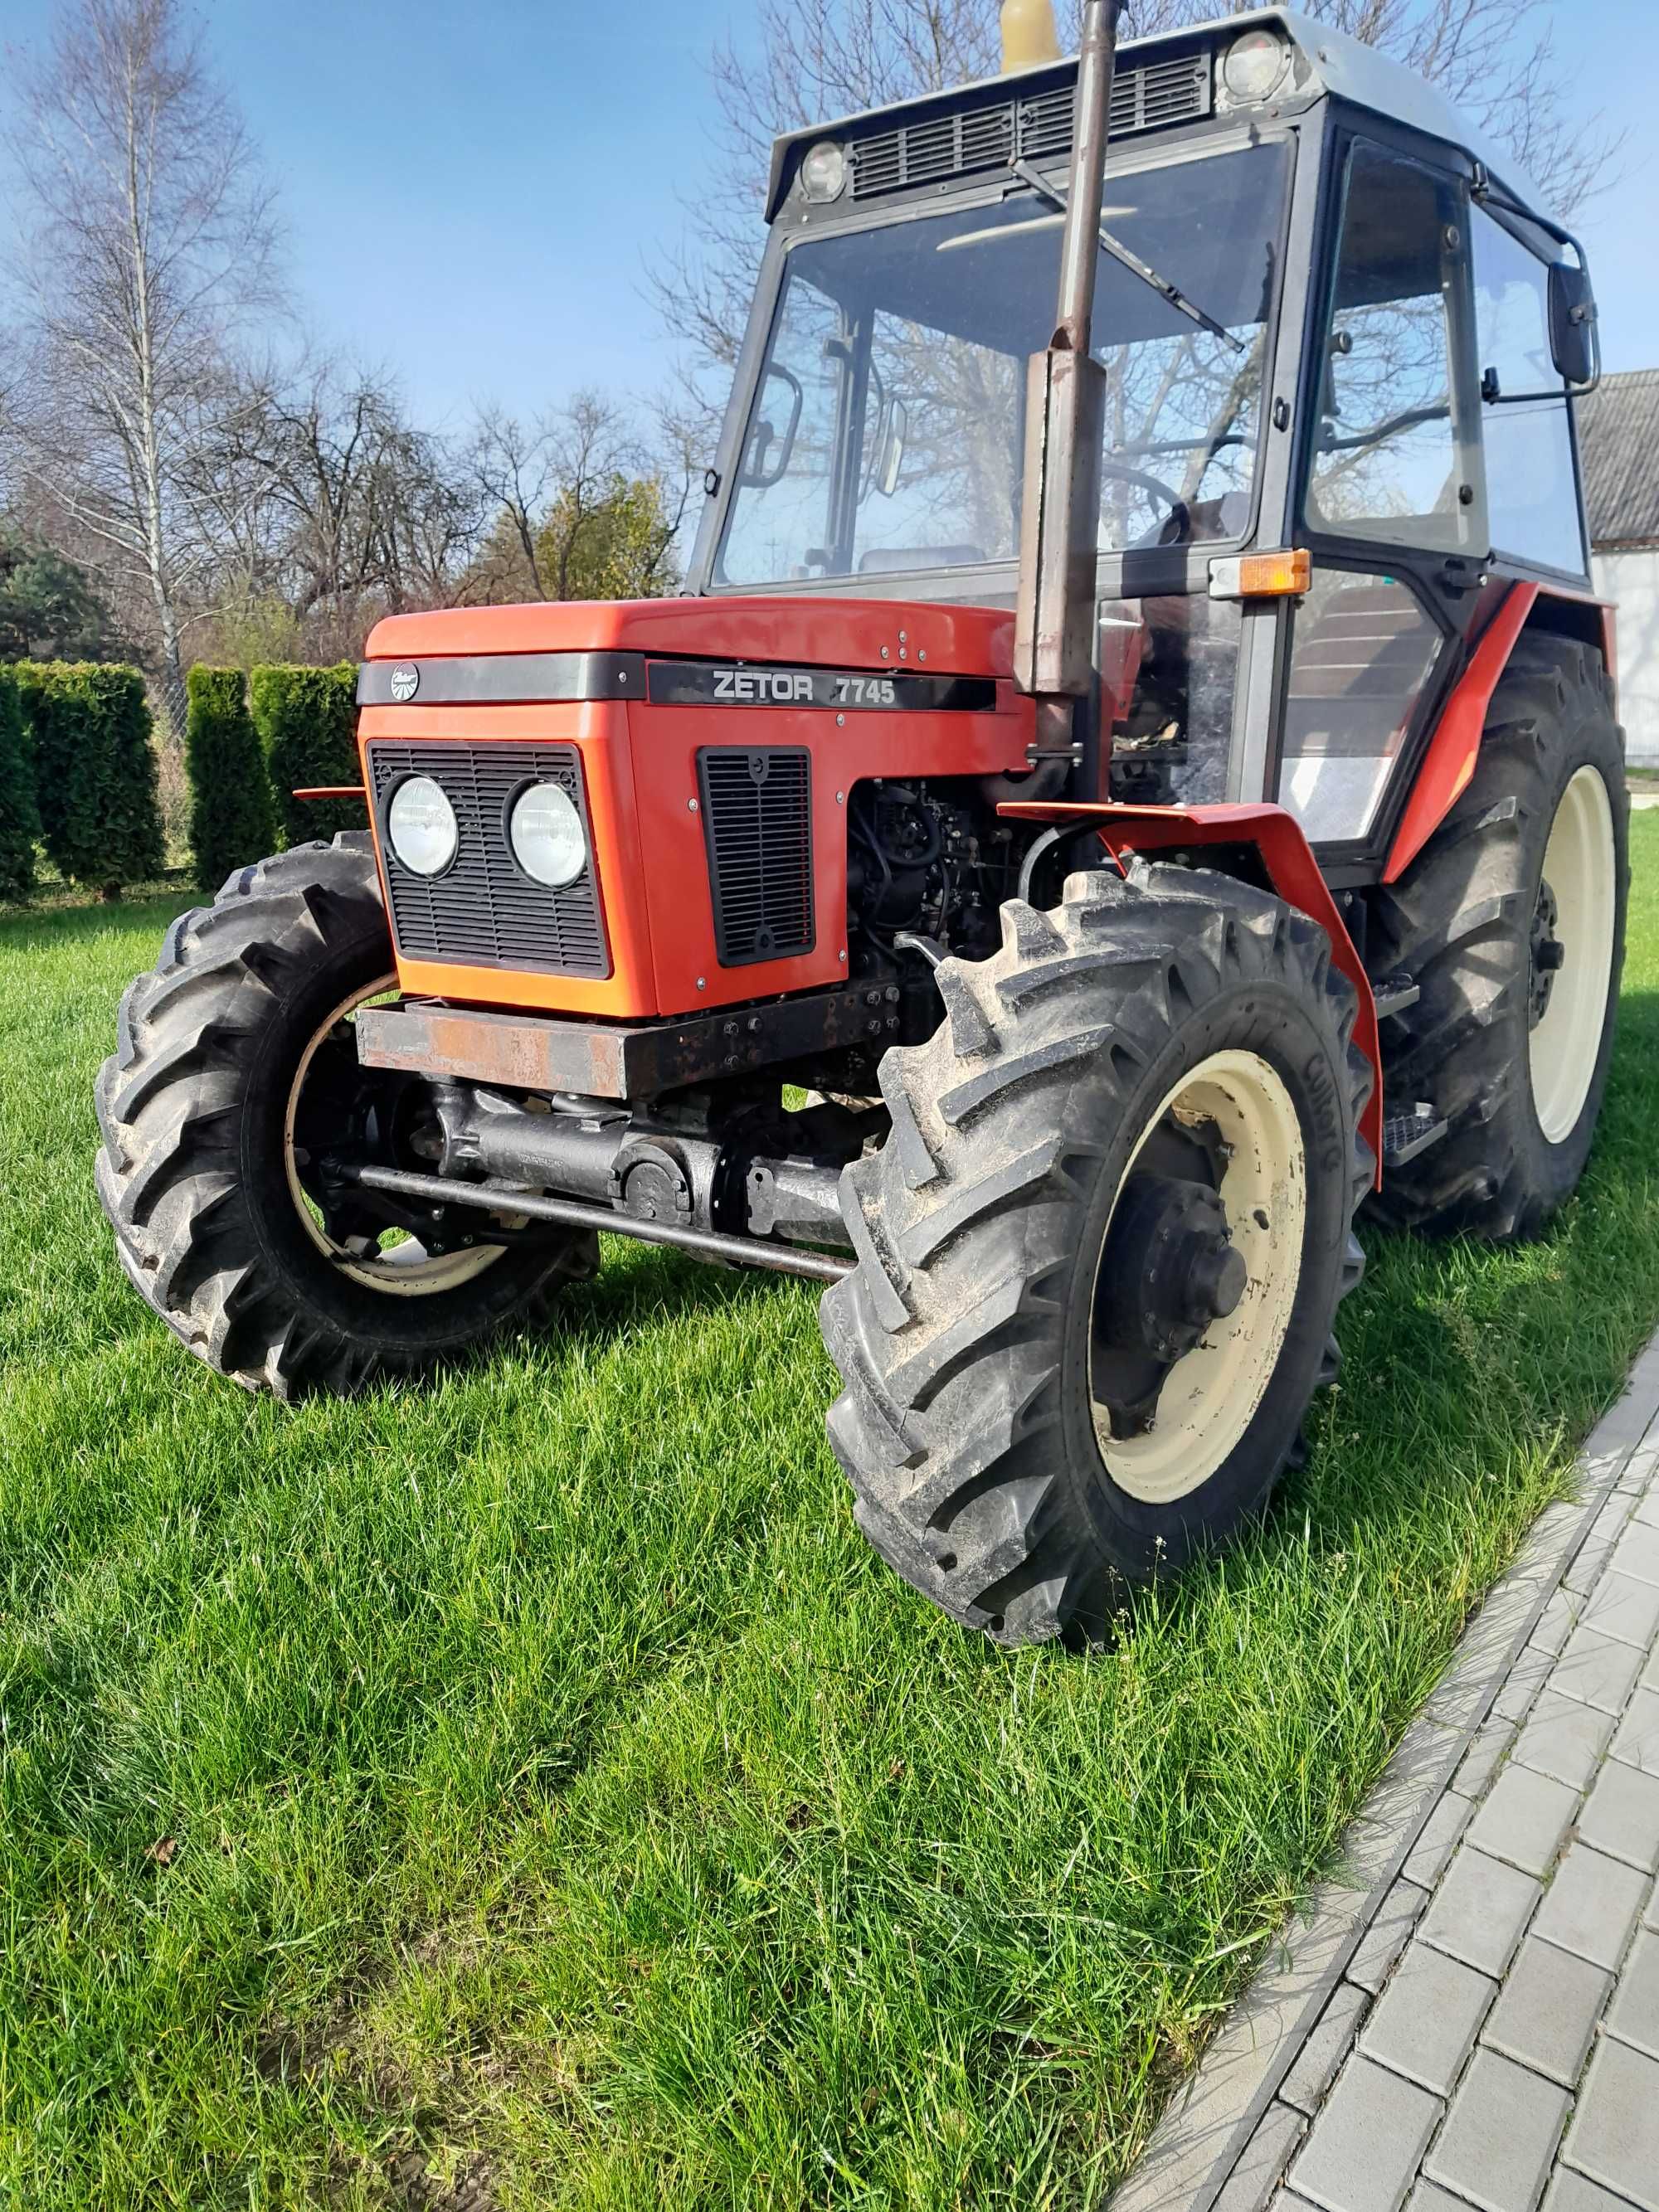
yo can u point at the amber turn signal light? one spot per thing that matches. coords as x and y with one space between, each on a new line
1262 575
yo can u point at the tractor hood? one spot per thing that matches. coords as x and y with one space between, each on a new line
805 632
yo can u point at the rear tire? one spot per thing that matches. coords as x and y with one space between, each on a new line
1511 922
991 1419
198 1173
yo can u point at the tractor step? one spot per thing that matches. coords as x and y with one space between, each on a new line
1394 994
1406 1135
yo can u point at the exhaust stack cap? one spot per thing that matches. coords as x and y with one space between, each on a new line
1028 36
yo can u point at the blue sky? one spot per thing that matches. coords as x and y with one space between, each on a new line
471 191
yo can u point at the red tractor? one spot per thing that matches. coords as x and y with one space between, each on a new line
1147 773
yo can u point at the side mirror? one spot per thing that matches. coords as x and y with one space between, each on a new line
766 459
1574 345
891 459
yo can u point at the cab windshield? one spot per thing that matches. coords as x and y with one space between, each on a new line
887 432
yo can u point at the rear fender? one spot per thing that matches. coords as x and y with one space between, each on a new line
1288 861
1454 749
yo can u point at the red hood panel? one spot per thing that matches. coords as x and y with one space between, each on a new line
826 633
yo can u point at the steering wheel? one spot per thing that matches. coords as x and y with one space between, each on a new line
1147 481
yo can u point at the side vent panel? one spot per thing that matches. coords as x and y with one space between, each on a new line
758 820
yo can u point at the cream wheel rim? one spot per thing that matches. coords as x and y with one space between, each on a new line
1580 867
1209 1397
407 1270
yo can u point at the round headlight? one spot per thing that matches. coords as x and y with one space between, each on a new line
1254 67
421 823
824 171
545 833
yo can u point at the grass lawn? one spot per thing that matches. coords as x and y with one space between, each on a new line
533 1783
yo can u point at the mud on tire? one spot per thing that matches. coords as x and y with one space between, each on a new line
193 1173
962 1338
1461 924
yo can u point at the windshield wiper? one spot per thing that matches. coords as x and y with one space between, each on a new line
1136 267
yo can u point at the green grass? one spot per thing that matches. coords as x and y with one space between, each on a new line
534 1776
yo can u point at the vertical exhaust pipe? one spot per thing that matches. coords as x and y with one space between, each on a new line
1060 521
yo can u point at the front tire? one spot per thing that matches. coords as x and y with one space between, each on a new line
1101 1251
1511 923
234 1077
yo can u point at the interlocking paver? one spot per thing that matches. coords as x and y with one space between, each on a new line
1591 1906
1385 1939
1429 1854
1622 1816
1479 1910
1325 2048
1633 2016
1483 1758
1572 2192
1597 1669
1563 1740
1527 1678
1500 2136
1556 1623
1502 2052
1614 2135
1622 1607
1363 2153
1427 2018
1637 1554
1524 1818
1636 1742
1548 2013
1590 1566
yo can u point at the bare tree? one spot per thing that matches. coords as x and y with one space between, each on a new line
145 244
818 59
585 505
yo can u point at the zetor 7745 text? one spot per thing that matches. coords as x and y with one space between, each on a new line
1137 750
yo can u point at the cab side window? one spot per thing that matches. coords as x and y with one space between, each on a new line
1397 453
1530 480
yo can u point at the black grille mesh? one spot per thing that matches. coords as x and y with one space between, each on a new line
486 912
757 818
1035 130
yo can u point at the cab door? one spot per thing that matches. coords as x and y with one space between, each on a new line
1394 496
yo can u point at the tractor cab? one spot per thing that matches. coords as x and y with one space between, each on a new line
1326 318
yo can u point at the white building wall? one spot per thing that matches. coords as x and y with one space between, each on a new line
1632 580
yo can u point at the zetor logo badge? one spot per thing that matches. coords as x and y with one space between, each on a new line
762 687
405 683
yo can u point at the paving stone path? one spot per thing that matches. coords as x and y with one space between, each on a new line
1471 2017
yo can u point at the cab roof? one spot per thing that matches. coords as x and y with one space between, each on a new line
1327 63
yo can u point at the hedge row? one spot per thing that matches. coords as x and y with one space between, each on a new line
19 817
78 775
76 771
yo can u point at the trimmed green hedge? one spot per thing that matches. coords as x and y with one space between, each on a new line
232 820
307 718
20 818
95 777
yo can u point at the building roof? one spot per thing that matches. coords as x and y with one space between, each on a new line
1618 429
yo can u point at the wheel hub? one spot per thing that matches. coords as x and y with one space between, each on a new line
1168 1272
1549 955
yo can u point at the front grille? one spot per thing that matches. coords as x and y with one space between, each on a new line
757 819
1038 129
485 912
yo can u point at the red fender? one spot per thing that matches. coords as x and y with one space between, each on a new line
1448 765
1291 870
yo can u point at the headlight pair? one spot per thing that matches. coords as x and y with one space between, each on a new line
544 829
